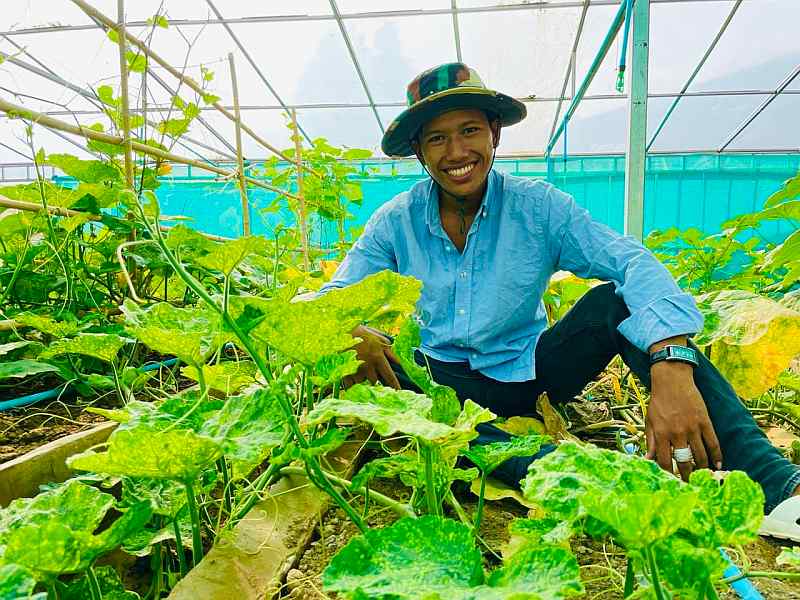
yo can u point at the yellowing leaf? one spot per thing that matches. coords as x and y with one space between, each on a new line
554 424
497 490
328 268
753 338
227 377
521 426
97 345
225 257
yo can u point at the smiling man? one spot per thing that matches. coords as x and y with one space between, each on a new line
485 245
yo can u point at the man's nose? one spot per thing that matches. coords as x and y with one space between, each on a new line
456 149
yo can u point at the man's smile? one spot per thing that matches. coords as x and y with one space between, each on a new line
461 173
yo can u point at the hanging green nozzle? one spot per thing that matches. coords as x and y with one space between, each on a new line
623 50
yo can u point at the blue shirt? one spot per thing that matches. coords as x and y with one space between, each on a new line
484 305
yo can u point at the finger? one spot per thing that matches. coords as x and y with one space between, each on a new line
684 468
664 453
698 450
387 374
712 444
651 442
389 353
372 375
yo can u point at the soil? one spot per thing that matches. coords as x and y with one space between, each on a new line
602 563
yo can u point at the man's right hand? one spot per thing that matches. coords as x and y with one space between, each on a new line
375 351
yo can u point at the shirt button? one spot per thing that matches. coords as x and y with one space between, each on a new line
463 274
447 248
461 311
474 355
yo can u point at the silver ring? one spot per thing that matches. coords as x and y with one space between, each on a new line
682 455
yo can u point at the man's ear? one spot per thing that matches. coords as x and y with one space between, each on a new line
417 150
496 128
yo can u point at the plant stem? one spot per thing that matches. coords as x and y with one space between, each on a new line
226 484
711 591
772 574
94 585
181 550
629 581
402 510
654 578
430 487
194 514
462 515
479 513
317 476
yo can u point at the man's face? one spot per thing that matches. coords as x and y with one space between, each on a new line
457 148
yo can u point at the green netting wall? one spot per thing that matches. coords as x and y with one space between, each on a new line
683 190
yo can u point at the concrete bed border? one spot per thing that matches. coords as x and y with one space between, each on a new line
22 476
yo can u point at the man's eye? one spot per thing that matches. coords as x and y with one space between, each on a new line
435 139
469 130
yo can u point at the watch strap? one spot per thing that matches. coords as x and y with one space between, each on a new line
675 353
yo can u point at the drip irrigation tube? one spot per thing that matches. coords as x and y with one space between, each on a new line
58 390
744 588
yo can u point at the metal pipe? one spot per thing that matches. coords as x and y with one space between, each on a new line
253 63
598 60
540 5
699 66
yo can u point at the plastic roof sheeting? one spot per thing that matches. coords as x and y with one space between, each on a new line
298 47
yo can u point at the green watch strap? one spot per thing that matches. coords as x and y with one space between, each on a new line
676 353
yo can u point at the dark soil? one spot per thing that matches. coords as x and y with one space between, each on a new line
602 563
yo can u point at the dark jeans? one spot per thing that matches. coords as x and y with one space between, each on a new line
573 352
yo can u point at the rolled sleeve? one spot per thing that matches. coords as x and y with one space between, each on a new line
658 308
371 253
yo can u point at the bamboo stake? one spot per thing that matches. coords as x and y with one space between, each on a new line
123 93
60 211
298 155
188 81
52 123
239 157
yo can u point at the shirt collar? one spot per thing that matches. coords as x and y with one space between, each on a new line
433 218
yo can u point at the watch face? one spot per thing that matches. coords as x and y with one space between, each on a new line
685 353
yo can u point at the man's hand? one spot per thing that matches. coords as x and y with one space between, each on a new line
677 418
376 352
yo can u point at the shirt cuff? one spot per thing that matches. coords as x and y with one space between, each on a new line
662 319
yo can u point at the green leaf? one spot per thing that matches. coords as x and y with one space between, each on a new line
210 98
446 405
729 514
137 62
356 154
335 367
790 190
687 568
166 497
308 331
70 224
10 347
188 333
103 346
490 456
111 587
90 171
248 427
173 127
388 410
53 533
631 496
227 377
225 257
436 558
188 242
22 368
159 21
106 95
47 324
17 583
142 543
176 454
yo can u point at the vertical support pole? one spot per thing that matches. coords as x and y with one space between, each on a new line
239 157
636 154
298 157
123 92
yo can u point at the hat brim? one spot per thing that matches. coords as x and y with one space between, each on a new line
397 139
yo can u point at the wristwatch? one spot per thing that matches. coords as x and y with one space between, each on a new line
678 353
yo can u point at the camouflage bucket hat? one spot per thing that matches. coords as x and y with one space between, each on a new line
437 90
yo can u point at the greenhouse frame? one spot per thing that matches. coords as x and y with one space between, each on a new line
238 361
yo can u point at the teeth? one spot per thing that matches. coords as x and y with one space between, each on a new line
461 171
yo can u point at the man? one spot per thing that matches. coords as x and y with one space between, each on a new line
485 244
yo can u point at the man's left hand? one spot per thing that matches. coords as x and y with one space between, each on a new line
677 418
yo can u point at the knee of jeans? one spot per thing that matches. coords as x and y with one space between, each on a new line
607 301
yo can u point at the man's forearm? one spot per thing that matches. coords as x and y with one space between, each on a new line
677 340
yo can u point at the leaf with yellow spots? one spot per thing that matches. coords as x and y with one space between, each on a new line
753 338
497 490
